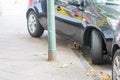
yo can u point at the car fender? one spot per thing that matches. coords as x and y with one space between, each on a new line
87 37
115 47
39 8
31 9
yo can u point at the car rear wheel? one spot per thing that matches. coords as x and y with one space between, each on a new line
33 25
116 66
96 48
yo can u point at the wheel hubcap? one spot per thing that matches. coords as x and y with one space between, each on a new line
32 23
116 68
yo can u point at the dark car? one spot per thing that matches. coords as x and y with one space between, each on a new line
116 54
89 22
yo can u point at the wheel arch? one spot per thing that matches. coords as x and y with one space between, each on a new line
32 9
87 36
115 47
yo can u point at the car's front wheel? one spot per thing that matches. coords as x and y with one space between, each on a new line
33 25
96 48
116 66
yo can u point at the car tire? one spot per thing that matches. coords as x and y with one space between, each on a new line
96 48
34 27
116 66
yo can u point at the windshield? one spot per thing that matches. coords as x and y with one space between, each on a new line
107 7
108 2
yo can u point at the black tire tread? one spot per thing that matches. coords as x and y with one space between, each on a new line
117 53
39 31
96 48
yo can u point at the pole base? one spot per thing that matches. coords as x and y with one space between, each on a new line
51 56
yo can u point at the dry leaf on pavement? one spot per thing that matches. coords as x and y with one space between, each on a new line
89 72
105 76
64 66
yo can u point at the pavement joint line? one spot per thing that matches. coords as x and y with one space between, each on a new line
85 63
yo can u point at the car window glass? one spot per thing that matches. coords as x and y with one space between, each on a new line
107 2
68 8
67 1
86 5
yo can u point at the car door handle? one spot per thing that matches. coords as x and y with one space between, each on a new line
58 8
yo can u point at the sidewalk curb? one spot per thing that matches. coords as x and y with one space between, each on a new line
86 64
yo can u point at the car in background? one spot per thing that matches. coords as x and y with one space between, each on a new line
116 63
116 54
91 23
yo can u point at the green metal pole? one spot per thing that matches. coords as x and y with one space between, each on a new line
51 30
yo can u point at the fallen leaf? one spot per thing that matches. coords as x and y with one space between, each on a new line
89 62
64 66
104 76
89 72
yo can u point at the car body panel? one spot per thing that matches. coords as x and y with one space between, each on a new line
116 43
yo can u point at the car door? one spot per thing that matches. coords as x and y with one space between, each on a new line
90 14
68 19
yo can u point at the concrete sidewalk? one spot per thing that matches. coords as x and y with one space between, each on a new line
25 58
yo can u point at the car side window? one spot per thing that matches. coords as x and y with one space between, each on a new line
68 7
89 6
65 3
